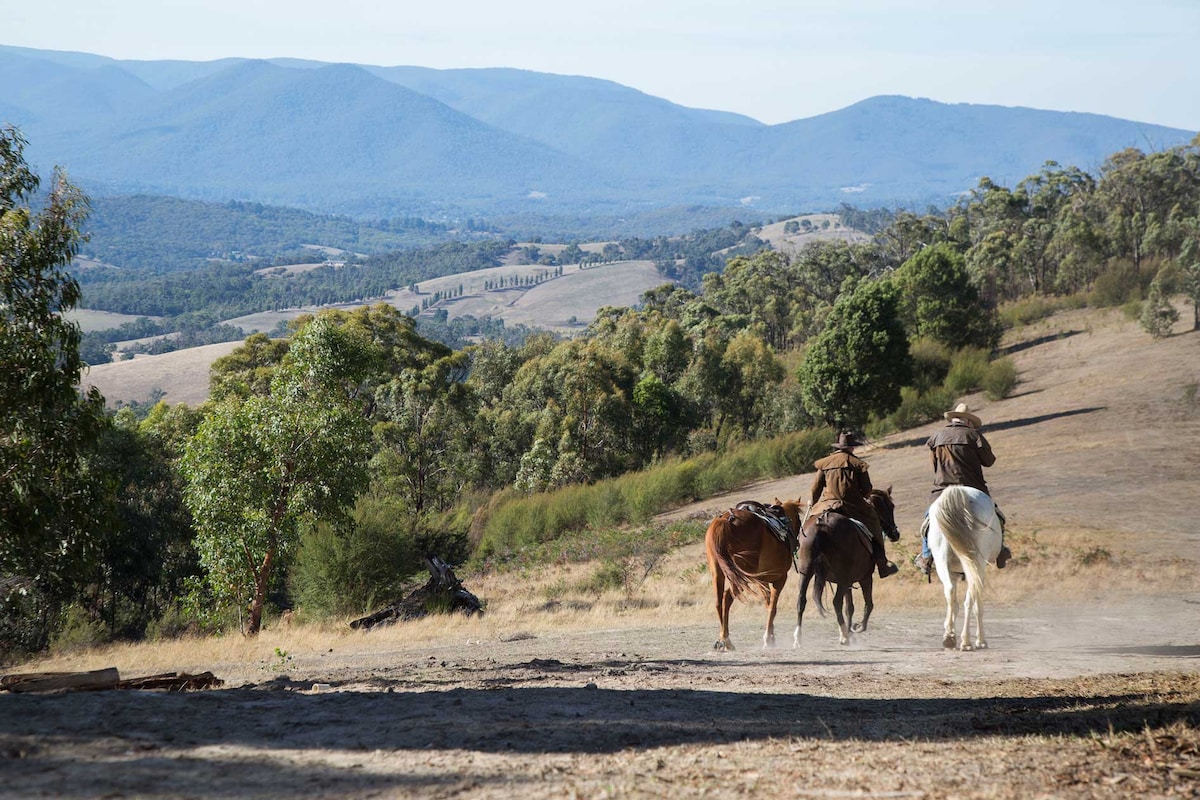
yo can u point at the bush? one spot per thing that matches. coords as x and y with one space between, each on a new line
79 631
999 379
931 363
967 370
916 408
1031 309
24 627
1116 285
341 570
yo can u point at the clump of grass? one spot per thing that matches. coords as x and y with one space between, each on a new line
999 378
1028 310
1132 310
610 575
931 362
967 370
1095 555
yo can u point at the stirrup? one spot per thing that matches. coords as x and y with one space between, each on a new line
1003 556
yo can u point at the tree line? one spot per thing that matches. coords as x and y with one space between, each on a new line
327 462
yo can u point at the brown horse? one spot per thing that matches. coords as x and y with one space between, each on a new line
746 557
833 549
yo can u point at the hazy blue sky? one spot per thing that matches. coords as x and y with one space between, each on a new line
774 60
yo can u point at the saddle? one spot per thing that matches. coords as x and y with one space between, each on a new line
864 533
776 520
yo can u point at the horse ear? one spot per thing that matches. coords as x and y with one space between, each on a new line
889 490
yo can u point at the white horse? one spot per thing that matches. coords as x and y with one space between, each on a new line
964 535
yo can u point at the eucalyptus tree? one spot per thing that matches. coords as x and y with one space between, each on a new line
938 300
50 516
857 364
260 466
1189 267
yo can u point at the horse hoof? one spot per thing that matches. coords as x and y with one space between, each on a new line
859 627
949 642
966 648
723 645
981 645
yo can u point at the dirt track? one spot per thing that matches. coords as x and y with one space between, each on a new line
1092 690
653 712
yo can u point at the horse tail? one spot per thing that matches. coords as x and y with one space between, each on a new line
955 520
818 590
815 535
717 542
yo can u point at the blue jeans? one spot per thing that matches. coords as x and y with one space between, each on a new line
925 551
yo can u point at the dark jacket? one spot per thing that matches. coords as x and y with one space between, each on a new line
842 484
959 454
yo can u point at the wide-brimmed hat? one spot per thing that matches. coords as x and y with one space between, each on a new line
962 411
846 440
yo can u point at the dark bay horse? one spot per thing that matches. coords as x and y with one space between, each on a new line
746 558
834 550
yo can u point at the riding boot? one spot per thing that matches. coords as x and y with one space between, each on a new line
922 561
886 568
1005 554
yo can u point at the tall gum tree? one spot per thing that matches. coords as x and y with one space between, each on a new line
260 466
47 427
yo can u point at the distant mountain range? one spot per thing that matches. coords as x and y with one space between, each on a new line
372 141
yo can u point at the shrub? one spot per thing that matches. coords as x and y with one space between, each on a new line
349 568
916 408
999 379
79 631
1031 309
609 575
1117 284
967 370
931 362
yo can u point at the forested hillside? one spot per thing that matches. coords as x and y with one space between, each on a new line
357 443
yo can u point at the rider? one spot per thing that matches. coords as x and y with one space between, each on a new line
842 485
959 452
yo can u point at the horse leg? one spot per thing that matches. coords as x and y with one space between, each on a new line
980 642
850 612
868 602
801 603
839 600
969 602
724 601
772 607
948 638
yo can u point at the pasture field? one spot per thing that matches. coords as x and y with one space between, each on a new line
577 293
790 242
1090 687
181 374
90 320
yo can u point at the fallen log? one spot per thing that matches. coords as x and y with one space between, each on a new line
174 682
107 678
443 592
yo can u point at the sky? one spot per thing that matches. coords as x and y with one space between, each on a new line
773 60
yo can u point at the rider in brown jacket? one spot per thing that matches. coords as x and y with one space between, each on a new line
959 452
842 485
